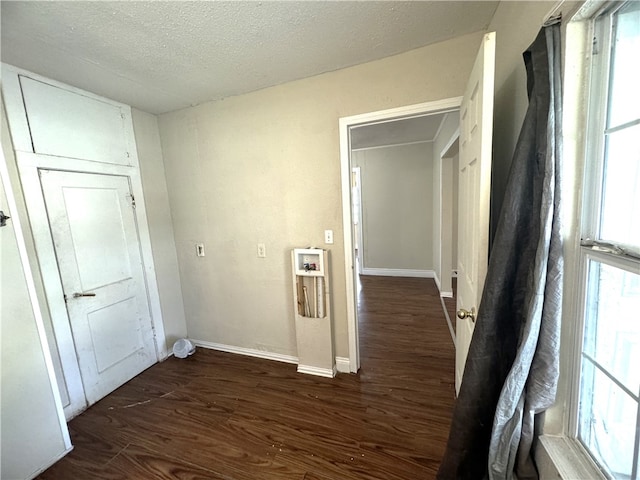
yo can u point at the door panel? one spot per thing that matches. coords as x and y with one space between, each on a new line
96 243
126 334
68 124
476 125
97 236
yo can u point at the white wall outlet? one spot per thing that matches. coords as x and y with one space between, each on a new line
262 250
200 249
328 237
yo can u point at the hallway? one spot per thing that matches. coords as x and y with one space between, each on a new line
223 416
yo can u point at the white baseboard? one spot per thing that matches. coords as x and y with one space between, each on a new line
343 365
398 272
250 352
447 294
319 372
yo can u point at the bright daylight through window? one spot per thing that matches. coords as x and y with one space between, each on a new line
608 409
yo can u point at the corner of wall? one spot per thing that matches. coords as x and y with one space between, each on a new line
161 229
516 25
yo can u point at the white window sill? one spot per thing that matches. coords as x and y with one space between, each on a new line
563 458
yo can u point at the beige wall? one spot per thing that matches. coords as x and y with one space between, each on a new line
265 167
516 25
160 224
32 435
397 206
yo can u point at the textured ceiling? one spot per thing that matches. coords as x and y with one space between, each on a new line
396 132
160 56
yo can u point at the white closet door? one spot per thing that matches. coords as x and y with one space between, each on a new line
98 252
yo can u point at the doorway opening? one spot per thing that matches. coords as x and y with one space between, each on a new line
362 133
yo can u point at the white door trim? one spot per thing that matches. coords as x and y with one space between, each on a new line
356 171
29 164
445 269
345 124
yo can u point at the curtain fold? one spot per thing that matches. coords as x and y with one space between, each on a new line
512 367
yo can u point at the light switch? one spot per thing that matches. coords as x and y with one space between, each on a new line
328 237
200 249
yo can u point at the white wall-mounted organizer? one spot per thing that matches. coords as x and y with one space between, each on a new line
311 296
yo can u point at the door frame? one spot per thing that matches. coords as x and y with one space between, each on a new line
360 240
344 127
28 164
446 155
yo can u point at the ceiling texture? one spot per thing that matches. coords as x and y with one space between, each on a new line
161 56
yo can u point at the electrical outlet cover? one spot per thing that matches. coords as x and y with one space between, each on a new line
328 236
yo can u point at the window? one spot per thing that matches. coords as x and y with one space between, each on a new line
608 410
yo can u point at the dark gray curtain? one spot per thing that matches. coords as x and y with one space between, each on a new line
512 367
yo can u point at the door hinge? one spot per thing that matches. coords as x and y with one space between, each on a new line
132 199
594 46
3 219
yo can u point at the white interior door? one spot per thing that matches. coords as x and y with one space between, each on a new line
95 238
474 183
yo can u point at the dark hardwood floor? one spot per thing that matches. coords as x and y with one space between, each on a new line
224 416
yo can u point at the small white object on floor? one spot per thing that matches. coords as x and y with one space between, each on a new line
183 348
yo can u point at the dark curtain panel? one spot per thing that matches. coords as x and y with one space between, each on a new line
512 367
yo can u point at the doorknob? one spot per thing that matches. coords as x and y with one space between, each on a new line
462 314
78 295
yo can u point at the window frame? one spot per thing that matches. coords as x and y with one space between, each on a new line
597 73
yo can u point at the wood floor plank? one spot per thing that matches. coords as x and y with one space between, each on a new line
136 461
222 416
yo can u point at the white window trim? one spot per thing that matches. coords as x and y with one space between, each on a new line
563 457
559 454
590 218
